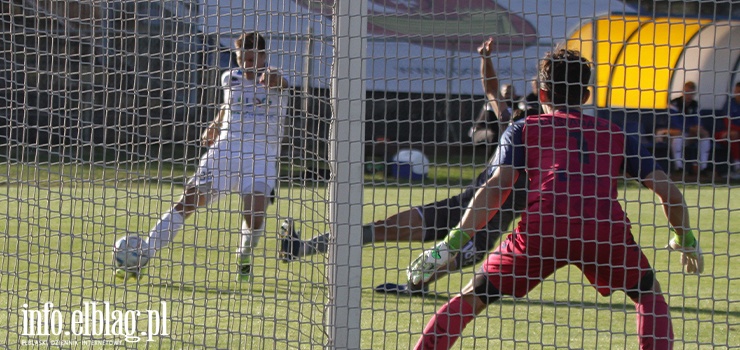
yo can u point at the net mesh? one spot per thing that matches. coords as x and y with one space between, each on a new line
105 104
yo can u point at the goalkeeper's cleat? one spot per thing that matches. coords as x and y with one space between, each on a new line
245 269
402 289
290 241
131 274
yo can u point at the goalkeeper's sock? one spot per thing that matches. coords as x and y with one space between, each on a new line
446 325
654 327
165 230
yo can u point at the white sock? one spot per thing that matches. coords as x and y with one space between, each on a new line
677 150
705 146
249 239
736 165
164 231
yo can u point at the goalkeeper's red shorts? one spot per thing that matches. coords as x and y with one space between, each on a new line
607 254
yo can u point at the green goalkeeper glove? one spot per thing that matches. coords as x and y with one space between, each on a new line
688 245
423 267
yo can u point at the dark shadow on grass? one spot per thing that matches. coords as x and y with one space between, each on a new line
433 298
233 288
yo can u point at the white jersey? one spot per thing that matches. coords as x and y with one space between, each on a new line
254 114
244 158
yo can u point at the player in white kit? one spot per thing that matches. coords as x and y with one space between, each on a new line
244 149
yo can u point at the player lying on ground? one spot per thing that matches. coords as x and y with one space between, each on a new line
244 146
432 221
428 222
573 216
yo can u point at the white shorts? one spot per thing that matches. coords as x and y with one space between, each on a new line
223 169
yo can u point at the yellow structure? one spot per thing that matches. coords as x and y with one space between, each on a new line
643 62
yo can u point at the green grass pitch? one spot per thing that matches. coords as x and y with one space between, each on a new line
59 224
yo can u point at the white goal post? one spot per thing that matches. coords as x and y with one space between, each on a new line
344 265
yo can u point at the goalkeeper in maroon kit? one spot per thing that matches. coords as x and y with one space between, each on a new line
573 162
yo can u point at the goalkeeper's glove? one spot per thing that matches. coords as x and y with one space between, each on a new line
690 250
423 268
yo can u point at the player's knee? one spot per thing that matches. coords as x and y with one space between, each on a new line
485 290
645 285
197 195
191 200
202 199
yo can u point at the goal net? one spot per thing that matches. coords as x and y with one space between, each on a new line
363 128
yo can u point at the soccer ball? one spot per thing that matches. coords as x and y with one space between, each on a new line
130 252
409 164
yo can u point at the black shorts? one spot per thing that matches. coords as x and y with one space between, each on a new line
440 216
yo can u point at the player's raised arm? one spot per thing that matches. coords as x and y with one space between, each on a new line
491 85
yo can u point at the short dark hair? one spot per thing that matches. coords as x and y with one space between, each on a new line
250 41
565 75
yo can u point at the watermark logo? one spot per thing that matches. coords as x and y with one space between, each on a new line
95 319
